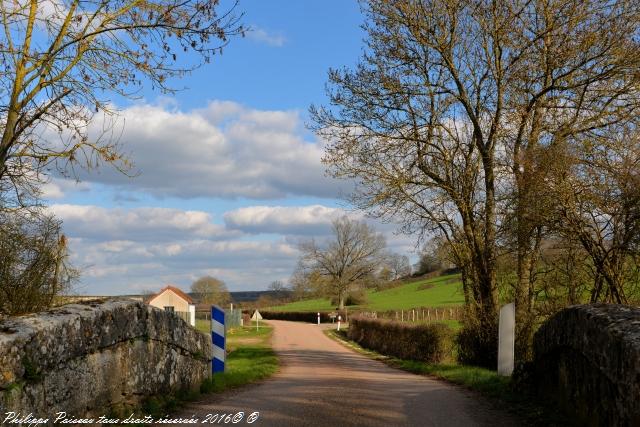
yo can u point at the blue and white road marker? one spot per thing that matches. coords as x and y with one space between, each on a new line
219 338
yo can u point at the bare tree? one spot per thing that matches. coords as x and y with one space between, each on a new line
34 266
209 290
445 122
354 253
61 60
279 289
399 266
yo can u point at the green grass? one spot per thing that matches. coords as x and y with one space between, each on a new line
529 409
251 359
445 291
203 326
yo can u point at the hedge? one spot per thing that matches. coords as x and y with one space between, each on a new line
428 342
300 316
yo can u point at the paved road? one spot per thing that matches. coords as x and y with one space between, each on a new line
322 383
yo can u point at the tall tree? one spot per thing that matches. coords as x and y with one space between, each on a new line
571 79
443 122
209 290
61 60
354 253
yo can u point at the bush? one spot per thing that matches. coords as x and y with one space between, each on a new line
358 297
431 343
476 345
300 316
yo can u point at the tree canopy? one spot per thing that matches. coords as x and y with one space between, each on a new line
63 61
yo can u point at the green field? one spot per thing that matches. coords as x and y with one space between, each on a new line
443 291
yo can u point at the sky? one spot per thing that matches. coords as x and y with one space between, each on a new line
227 178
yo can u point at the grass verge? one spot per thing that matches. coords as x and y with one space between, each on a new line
529 409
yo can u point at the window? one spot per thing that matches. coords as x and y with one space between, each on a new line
169 308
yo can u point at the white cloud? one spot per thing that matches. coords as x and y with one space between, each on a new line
224 150
267 37
123 251
57 188
298 220
146 224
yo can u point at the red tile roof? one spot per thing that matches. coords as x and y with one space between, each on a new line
176 291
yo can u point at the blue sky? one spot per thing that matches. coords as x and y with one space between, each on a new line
230 179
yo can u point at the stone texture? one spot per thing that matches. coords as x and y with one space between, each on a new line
587 358
87 358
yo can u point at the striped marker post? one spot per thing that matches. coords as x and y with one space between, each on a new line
219 338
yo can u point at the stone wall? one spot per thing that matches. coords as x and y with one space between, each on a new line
89 358
587 359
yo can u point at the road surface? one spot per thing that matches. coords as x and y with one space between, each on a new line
322 383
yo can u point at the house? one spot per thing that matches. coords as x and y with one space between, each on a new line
175 300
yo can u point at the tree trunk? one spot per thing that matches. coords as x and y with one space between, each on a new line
524 318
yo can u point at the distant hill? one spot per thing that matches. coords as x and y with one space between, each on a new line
237 297
252 296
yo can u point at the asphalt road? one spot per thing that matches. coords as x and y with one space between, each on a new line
323 383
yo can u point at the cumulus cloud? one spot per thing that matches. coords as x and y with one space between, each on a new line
296 220
224 150
122 251
139 224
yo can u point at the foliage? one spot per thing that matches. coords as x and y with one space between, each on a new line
34 265
209 290
431 343
461 117
301 316
355 297
476 344
61 60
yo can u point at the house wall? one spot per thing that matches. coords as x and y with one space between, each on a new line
170 298
98 357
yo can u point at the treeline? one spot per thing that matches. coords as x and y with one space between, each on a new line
509 131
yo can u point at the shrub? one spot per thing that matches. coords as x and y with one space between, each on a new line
358 297
430 343
300 316
476 345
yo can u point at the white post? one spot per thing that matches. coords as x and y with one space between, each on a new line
339 320
192 314
318 318
506 339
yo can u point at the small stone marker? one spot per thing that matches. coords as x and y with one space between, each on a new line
318 318
257 317
339 320
506 339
